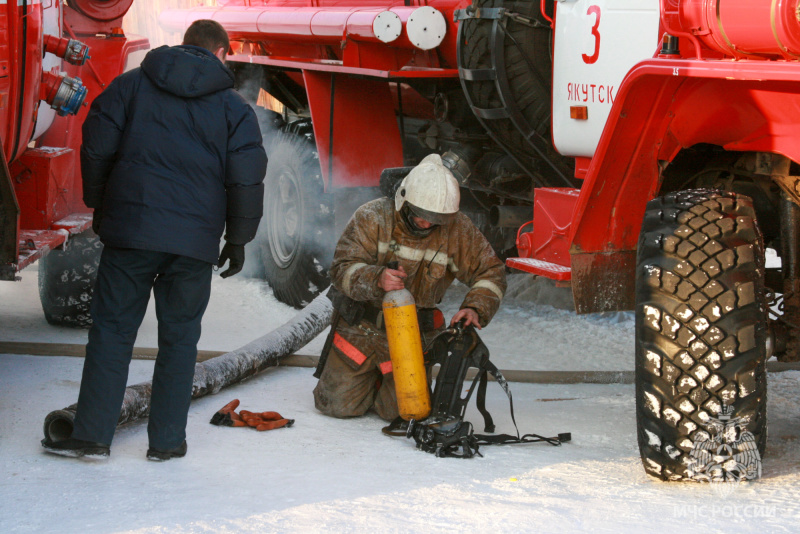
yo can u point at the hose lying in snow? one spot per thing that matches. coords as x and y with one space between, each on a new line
220 372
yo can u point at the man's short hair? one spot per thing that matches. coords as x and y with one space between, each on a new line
208 34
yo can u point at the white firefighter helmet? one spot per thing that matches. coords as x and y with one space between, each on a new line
430 190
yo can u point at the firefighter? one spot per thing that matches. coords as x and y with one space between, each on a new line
434 244
171 156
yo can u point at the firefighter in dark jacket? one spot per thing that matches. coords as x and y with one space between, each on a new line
171 157
434 244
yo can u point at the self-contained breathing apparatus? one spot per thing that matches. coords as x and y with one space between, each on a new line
434 420
449 356
444 432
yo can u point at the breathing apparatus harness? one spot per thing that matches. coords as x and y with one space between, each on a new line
444 432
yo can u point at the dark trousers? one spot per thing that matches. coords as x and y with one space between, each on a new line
182 287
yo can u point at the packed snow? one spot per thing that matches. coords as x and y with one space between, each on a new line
529 331
332 475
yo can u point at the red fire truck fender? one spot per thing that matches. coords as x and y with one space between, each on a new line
662 107
364 131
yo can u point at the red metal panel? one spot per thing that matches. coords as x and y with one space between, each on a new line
108 61
91 17
552 217
751 117
7 57
328 25
663 105
339 67
293 29
366 137
23 66
43 178
743 28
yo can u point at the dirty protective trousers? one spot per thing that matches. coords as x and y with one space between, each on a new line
357 378
360 377
182 287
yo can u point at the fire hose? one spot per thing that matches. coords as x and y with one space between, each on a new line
217 373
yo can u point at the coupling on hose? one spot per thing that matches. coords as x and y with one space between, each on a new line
63 93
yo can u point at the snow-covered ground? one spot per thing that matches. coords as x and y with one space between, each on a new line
527 333
344 475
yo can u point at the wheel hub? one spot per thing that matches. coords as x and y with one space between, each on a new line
284 219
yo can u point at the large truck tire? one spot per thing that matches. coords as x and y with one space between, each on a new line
296 232
66 281
701 329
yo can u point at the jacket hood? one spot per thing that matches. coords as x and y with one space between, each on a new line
402 219
186 71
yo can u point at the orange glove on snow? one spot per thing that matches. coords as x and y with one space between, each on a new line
227 416
259 420
265 420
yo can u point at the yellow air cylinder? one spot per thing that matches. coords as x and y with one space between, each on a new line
405 350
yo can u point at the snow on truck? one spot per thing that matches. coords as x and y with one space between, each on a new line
643 152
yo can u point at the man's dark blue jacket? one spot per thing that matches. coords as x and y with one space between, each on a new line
171 154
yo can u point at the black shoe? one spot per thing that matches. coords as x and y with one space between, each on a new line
77 448
158 455
398 427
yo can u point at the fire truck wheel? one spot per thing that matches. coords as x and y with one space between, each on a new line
296 230
701 330
66 281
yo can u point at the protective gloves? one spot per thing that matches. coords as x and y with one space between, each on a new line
234 253
97 218
265 420
227 417
260 421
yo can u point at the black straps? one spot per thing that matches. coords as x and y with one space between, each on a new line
398 427
486 368
508 439
444 432
505 439
480 402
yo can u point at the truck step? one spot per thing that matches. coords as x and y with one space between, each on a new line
541 268
33 244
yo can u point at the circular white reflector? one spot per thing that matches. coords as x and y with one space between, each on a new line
387 26
426 28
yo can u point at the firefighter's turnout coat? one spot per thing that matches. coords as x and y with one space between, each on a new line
358 371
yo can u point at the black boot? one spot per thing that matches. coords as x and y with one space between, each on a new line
77 448
158 455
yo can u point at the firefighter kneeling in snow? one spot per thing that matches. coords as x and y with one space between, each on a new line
422 230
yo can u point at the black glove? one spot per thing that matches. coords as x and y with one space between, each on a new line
232 252
97 218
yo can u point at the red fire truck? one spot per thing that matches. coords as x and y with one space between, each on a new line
642 152
55 59
655 139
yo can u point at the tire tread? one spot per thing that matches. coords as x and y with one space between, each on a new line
700 323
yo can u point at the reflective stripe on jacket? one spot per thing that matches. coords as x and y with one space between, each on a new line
377 235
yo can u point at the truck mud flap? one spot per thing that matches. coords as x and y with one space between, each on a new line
603 281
